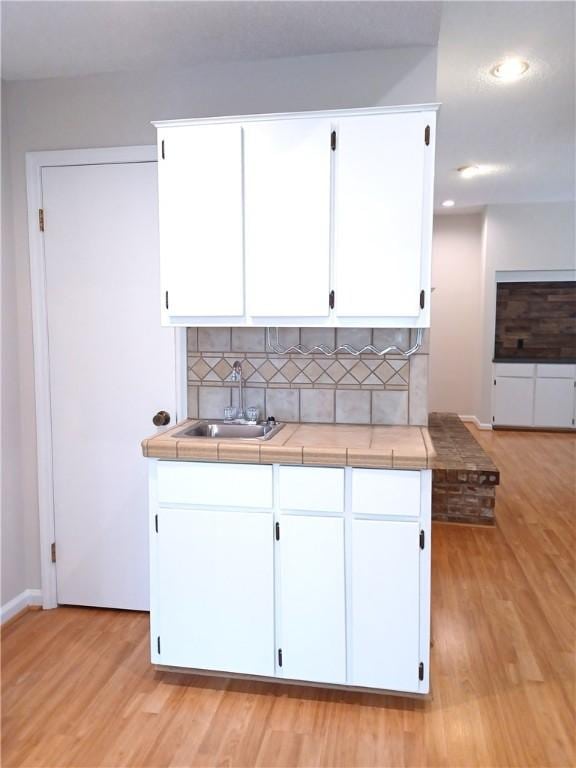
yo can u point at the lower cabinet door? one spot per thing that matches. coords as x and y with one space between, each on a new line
385 609
554 403
215 603
513 401
312 598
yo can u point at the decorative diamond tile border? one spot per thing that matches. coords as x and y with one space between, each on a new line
348 371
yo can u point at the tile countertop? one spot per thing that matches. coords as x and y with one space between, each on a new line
314 444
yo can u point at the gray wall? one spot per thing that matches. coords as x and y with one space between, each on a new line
116 110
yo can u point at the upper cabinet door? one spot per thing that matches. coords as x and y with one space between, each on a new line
287 217
200 187
383 214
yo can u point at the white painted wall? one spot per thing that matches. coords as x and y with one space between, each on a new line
116 110
456 327
527 236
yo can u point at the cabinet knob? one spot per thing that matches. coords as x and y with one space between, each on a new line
161 418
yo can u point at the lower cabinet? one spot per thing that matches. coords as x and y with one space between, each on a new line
327 581
513 401
554 403
539 395
385 604
312 598
214 590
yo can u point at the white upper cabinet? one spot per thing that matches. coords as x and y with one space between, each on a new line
287 217
382 225
200 196
303 219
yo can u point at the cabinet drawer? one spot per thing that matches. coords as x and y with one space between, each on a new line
555 371
518 370
312 489
215 485
385 492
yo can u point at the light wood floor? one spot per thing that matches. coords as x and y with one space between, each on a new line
78 689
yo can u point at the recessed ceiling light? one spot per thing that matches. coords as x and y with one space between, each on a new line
510 69
448 203
469 171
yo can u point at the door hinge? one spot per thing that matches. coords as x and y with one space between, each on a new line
572 421
53 552
427 135
422 299
163 154
494 382
279 657
158 643
493 418
333 140
422 539
166 299
156 523
41 219
331 299
277 529
421 671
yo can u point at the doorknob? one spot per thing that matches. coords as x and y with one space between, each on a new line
161 419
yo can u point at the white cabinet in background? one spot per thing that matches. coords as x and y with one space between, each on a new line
315 218
513 401
287 217
312 598
213 583
540 396
335 593
201 224
381 220
554 403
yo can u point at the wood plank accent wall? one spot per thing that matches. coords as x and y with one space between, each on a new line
536 321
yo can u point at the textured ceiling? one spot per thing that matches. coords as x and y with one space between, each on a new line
523 132
63 39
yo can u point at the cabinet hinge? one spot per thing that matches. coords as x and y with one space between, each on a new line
158 643
333 140
156 523
422 299
41 219
331 299
53 552
279 657
422 539
163 154
277 530
427 135
166 299
421 671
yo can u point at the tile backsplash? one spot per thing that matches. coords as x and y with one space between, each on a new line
342 389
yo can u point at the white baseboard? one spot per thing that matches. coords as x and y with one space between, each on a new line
478 424
20 603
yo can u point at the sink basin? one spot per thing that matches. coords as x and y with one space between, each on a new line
229 430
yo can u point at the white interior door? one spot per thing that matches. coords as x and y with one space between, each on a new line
287 217
201 233
385 604
379 196
112 367
312 598
215 581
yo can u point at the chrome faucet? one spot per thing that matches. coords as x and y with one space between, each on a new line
236 375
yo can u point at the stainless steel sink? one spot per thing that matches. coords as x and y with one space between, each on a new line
229 430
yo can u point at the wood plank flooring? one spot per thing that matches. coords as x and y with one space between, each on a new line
78 689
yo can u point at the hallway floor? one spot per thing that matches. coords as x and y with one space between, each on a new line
78 689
